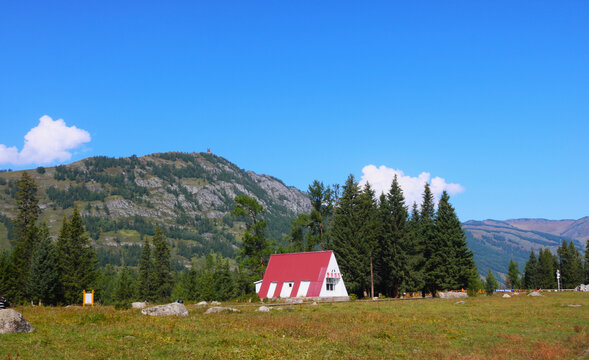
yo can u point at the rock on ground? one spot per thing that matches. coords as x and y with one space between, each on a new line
535 293
202 303
460 302
452 295
215 303
506 296
11 321
138 305
176 309
263 309
218 309
293 301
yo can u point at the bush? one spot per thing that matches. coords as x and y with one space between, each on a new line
353 297
122 305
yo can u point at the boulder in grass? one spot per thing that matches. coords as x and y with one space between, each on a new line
293 301
506 296
263 309
202 303
173 309
139 305
452 295
535 293
215 303
218 309
11 322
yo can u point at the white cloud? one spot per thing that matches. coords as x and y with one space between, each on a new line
47 142
381 178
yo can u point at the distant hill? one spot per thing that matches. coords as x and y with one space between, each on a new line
188 195
495 242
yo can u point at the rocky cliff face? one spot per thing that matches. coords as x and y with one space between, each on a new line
188 195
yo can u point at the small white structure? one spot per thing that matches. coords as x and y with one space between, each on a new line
307 274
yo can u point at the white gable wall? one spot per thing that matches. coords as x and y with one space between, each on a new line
339 288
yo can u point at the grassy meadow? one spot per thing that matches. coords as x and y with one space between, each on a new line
483 327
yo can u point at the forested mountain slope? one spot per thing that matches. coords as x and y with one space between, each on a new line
495 242
121 200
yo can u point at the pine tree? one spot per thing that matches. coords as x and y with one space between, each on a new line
321 211
415 249
106 285
78 261
571 265
433 274
393 241
456 260
145 282
162 266
531 272
490 283
255 248
546 270
366 243
512 280
125 286
26 237
345 234
44 280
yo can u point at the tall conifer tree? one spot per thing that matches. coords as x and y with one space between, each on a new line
512 280
531 272
546 269
427 241
44 280
162 266
345 234
145 282
26 238
78 261
394 238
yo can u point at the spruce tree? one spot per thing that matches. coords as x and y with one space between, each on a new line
432 273
125 286
162 266
26 233
490 283
78 261
512 280
145 282
366 243
455 260
415 249
256 248
393 241
531 272
345 234
571 265
321 212
44 280
546 270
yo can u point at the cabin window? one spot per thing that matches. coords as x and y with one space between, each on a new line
330 284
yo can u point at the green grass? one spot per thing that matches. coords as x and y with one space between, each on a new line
482 328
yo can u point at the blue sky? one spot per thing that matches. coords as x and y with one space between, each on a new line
492 97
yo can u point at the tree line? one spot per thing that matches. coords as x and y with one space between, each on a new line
540 271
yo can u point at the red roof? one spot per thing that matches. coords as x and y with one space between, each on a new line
296 267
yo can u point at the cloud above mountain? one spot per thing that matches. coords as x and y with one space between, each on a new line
381 178
49 141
